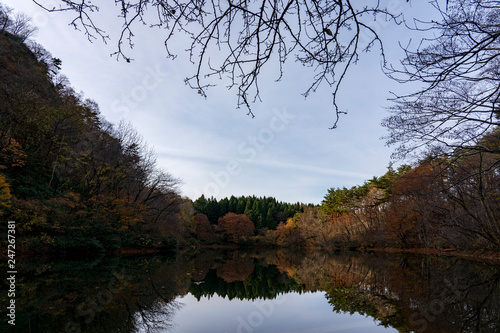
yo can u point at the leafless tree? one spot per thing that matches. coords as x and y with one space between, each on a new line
458 71
19 24
5 20
248 36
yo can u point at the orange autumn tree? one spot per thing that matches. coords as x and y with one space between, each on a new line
416 201
5 195
203 228
11 155
236 227
11 152
289 234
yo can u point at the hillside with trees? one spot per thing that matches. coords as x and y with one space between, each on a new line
74 182
70 179
438 203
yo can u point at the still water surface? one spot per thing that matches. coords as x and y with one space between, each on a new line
291 312
266 291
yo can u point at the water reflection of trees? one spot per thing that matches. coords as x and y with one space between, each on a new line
408 293
101 296
417 293
243 276
236 268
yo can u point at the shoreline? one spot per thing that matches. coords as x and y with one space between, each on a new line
491 257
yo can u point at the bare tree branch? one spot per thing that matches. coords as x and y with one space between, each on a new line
249 36
457 105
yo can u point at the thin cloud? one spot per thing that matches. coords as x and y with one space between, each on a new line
312 169
211 158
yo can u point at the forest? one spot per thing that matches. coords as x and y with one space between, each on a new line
75 183
70 179
438 203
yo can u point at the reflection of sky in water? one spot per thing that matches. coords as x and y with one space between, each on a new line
293 312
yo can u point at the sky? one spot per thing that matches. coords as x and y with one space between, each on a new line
291 312
288 151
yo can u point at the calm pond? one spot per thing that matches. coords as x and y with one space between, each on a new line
258 291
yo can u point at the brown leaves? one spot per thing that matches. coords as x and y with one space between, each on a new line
236 227
11 153
5 195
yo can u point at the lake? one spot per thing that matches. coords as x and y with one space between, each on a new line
258 291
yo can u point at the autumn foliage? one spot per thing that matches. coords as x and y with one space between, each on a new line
204 230
443 203
70 179
73 181
5 195
236 227
411 206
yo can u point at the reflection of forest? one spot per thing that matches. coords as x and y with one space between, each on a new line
238 277
109 295
409 293
419 293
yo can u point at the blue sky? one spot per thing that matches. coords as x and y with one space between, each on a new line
287 151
